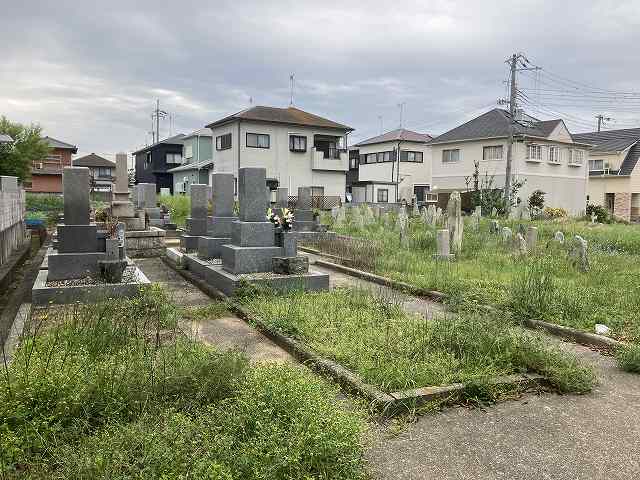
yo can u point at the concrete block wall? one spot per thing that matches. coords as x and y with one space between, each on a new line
12 212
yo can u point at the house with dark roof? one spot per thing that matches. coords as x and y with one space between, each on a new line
46 175
614 170
297 148
545 157
392 167
153 162
198 161
101 171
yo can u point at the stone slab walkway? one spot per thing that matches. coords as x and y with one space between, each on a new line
594 436
410 303
225 333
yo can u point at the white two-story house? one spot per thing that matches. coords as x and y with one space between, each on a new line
297 148
545 157
386 176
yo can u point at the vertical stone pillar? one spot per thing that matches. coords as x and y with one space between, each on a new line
222 194
442 244
252 194
122 174
197 222
147 195
282 197
622 205
303 214
75 190
532 238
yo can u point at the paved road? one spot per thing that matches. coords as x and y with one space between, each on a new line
225 333
594 436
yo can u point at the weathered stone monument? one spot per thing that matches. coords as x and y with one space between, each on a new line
578 253
507 235
520 244
219 225
559 237
494 226
282 197
532 238
121 206
82 252
250 253
455 222
442 243
196 223
303 211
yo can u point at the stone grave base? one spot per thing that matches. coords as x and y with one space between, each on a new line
133 223
145 243
309 236
304 226
209 247
189 243
63 266
41 294
227 282
122 209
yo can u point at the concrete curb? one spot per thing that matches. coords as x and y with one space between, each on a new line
13 338
387 403
576 336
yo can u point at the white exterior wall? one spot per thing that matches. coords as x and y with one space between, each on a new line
292 169
565 186
411 174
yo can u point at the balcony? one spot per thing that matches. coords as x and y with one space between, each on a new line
47 166
332 159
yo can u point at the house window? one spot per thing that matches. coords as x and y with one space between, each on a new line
576 157
257 140
380 157
104 172
297 143
363 159
223 142
534 152
372 158
188 151
595 165
353 163
174 158
414 157
493 152
451 156
554 155
387 157
383 195
147 160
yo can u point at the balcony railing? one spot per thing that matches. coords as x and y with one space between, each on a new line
332 159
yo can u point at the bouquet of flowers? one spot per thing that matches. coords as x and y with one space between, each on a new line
284 220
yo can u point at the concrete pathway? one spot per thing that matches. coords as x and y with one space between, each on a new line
411 304
226 333
594 436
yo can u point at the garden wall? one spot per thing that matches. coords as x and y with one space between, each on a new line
12 211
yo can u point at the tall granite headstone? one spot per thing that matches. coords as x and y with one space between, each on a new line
219 225
303 214
196 224
282 197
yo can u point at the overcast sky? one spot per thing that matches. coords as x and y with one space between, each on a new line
90 74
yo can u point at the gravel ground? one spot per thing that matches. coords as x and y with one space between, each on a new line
128 276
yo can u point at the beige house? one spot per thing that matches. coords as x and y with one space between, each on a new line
386 176
297 148
545 157
614 171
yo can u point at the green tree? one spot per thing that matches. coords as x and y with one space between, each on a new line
27 147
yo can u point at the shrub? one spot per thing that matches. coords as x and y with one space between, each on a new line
602 215
179 207
536 203
554 212
44 203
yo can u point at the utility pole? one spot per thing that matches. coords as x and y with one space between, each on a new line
157 114
601 119
513 108
401 107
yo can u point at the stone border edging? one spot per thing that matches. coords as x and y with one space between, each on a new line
15 332
573 334
387 403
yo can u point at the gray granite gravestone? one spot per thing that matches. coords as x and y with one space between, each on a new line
219 225
252 236
442 243
196 224
303 214
282 197
121 207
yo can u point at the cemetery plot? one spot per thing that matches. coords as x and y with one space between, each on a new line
393 350
116 390
534 270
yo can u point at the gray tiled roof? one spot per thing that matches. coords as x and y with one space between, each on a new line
93 160
54 143
288 116
610 140
400 134
495 124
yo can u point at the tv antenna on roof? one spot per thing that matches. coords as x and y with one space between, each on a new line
291 80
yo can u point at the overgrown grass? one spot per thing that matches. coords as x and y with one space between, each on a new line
544 285
373 336
629 358
179 207
115 390
206 312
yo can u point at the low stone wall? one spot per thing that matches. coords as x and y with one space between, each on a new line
12 209
145 243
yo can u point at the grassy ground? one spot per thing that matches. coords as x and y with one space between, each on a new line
115 391
544 285
373 336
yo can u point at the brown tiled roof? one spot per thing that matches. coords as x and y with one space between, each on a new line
92 160
288 116
401 134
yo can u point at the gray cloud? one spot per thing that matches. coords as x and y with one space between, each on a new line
90 75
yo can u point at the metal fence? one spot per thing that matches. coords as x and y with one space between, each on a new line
321 202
